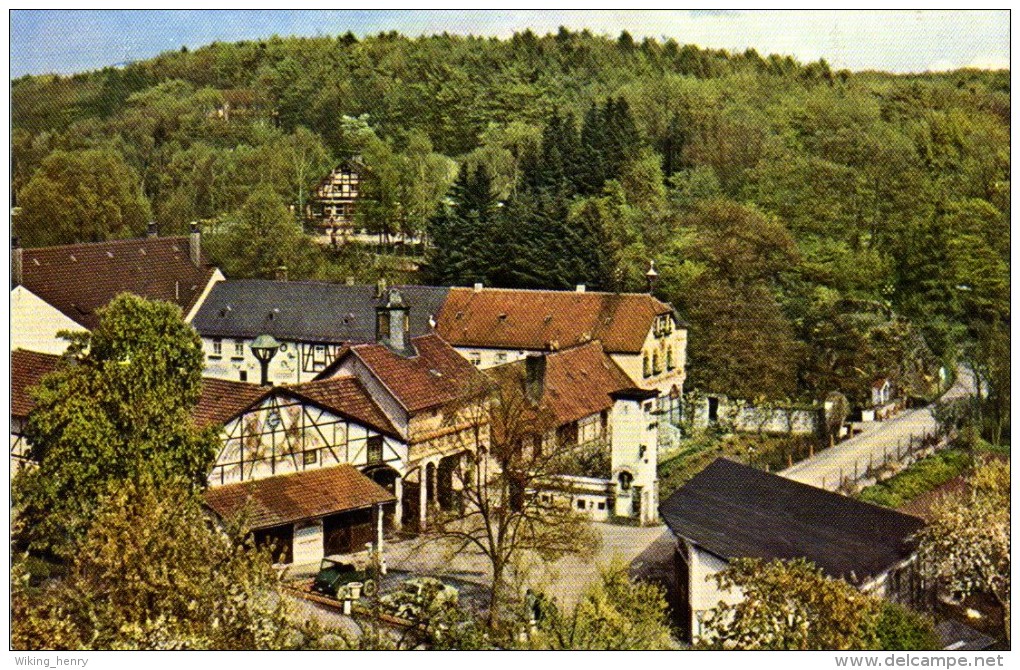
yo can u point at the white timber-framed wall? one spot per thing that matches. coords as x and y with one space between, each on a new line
295 361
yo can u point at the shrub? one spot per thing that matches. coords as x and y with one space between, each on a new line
921 477
901 629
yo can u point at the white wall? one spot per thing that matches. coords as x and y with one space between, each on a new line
308 542
704 594
635 450
216 278
35 323
285 367
483 358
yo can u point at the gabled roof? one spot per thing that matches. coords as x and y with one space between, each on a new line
735 511
223 399
435 375
305 495
346 397
541 320
27 368
578 382
78 279
307 311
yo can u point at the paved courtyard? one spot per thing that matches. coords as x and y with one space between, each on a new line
564 579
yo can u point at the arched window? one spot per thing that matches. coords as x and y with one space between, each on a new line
625 479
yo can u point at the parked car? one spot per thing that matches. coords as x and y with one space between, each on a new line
417 598
335 575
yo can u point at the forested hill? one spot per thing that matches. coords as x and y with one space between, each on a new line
818 228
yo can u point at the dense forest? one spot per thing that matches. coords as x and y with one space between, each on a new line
818 229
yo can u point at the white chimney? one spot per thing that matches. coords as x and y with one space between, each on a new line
478 287
195 245
581 288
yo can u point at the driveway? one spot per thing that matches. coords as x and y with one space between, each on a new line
825 468
565 579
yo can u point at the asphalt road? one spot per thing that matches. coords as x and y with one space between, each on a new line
824 468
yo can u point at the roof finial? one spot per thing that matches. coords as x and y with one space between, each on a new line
652 276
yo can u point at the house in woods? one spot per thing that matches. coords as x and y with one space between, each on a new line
640 333
595 427
333 202
883 401
311 322
76 280
435 400
730 511
27 368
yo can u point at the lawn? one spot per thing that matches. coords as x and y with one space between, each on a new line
923 476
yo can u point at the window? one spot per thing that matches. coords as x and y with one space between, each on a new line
375 449
669 359
243 375
319 354
647 371
501 357
656 368
580 504
589 428
217 347
625 479
602 505
475 358
238 348
311 457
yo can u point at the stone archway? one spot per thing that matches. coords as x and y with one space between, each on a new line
389 479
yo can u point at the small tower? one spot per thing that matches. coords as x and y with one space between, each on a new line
652 276
392 322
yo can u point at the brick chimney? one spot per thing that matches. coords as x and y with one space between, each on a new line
195 245
16 260
392 322
534 377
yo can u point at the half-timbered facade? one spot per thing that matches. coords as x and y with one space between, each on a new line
435 400
335 198
27 369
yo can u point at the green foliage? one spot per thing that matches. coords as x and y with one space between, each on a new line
818 612
923 476
614 613
87 196
117 409
152 572
902 629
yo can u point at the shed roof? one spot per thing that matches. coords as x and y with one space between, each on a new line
541 320
735 511
284 499
307 311
78 279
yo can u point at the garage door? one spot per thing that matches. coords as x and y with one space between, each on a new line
347 532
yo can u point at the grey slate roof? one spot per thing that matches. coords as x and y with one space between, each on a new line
735 511
308 311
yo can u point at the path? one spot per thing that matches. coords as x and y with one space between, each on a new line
826 467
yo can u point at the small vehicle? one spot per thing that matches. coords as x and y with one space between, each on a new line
420 597
334 577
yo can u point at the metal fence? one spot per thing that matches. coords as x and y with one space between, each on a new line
870 469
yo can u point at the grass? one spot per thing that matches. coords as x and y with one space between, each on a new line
765 451
923 476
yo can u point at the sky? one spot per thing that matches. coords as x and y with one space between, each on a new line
68 41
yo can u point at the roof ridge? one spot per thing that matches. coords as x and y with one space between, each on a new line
555 291
129 240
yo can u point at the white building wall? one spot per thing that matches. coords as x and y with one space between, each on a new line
308 542
35 323
288 366
216 278
483 358
704 594
634 439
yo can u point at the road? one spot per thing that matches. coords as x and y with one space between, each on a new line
825 467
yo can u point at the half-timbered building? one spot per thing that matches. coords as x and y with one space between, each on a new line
27 369
335 198
434 399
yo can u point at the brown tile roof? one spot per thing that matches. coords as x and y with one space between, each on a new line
538 320
223 399
578 381
434 376
27 368
347 397
305 495
78 279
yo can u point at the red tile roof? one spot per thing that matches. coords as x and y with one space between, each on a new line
578 381
223 399
305 495
434 376
27 368
78 279
540 320
347 397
